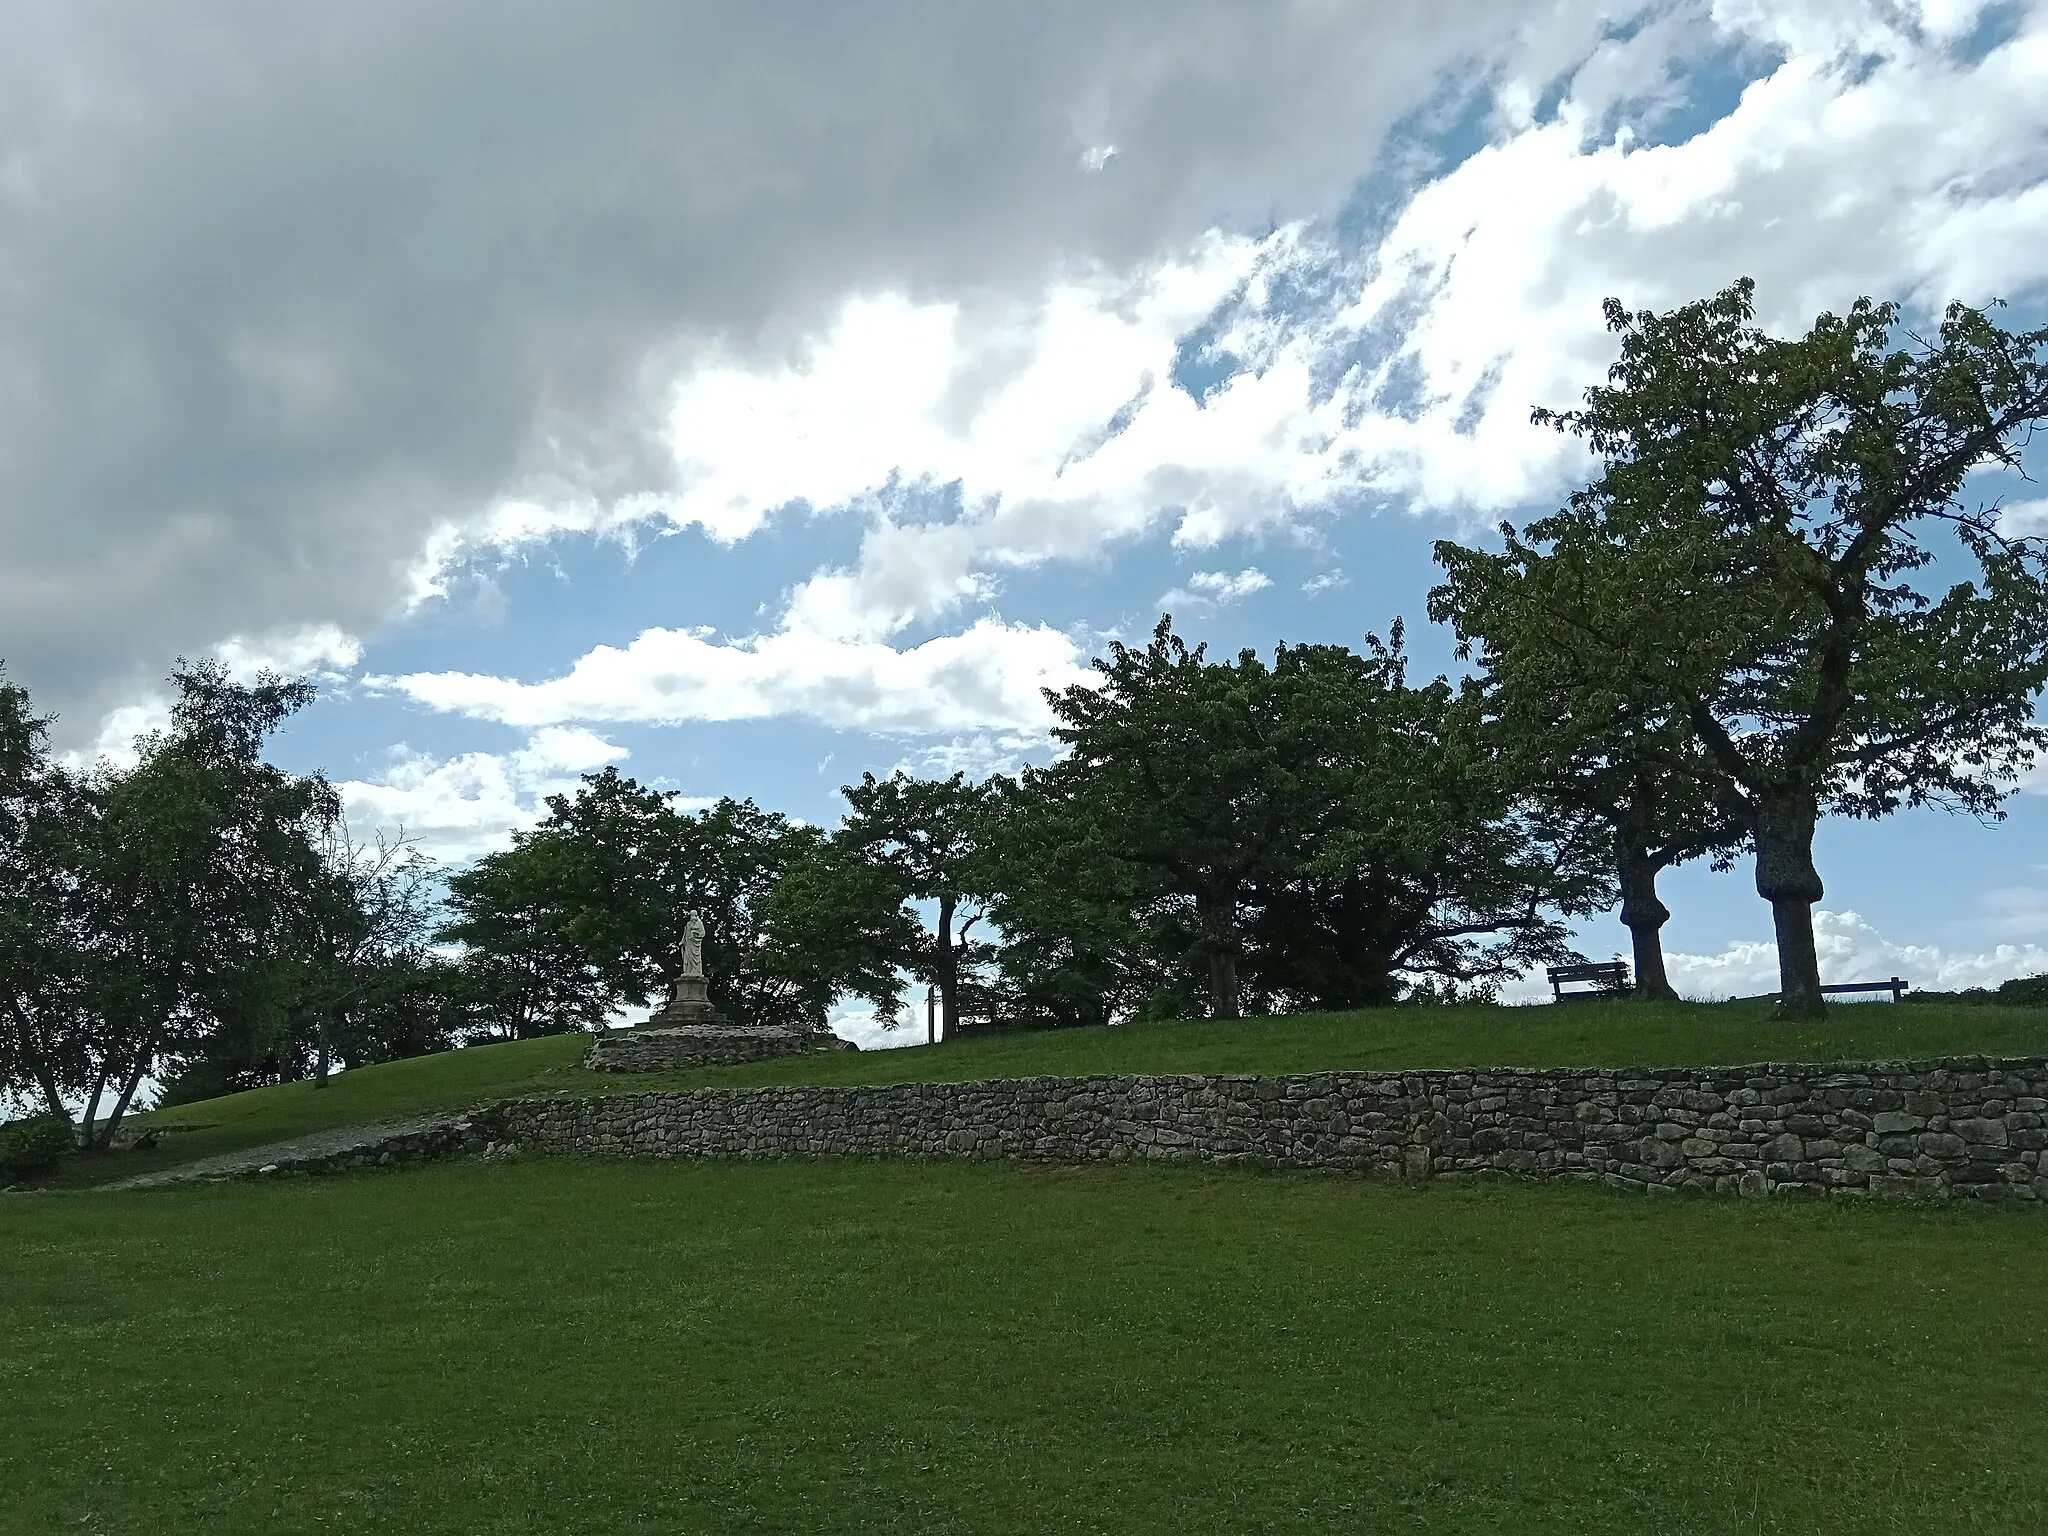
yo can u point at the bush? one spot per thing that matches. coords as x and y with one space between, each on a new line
33 1144
2020 992
2026 991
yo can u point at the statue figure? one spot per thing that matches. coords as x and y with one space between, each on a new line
693 948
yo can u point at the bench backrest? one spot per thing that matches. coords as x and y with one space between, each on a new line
1600 972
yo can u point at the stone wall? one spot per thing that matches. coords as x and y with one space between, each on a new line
671 1048
1960 1127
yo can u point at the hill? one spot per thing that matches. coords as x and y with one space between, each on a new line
1593 1032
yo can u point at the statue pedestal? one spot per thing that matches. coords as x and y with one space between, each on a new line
689 1002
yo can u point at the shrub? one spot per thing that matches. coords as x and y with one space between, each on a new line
33 1144
2027 991
2020 992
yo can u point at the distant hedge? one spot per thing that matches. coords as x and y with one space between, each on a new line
2020 992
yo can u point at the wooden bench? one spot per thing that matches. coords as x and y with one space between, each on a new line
1896 987
1603 976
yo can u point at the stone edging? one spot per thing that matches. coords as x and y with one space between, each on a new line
1964 1127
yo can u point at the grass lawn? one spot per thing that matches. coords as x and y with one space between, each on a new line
579 1347
1592 1033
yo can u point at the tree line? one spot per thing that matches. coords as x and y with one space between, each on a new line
1728 634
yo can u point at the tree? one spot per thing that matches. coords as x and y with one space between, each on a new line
1081 938
1581 748
926 833
1195 772
1431 861
41 986
584 914
525 970
1746 560
1317 829
179 874
833 923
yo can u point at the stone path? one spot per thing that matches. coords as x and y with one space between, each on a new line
343 1144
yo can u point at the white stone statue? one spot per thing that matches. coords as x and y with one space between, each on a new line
693 948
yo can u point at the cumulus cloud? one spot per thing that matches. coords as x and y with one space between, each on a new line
1874 155
460 808
1215 589
297 308
988 677
307 650
1851 949
2024 519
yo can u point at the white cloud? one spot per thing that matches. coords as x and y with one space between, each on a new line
858 1022
1852 950
1328 581
986 678
216 425
1871 158
2024 519
1206 589
979 755
114 742
460 808
322 650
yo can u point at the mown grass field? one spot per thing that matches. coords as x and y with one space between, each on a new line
1597 1032
575 1347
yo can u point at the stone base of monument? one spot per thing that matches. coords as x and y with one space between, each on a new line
689 1002
668 1047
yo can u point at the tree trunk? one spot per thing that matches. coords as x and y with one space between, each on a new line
1223 996
948 968
1787 879
320 1060
1644 915
127 1093
88 1135
1219 928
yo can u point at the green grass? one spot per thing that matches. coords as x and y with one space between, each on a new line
1591 1033
577 1347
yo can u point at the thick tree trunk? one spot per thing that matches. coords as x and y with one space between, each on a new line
1787 879
1644 915
948 966
1219 930
321 1060
1224 1002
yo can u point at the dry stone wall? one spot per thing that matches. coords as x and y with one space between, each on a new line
1964 1127
673 1048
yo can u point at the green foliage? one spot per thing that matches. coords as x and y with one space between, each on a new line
585 913
153 900
33 1144
1306 833
1741 574
2020 992
930 837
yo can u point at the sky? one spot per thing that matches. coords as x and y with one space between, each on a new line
754 394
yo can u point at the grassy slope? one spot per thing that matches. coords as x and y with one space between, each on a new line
580 1348
1594 1033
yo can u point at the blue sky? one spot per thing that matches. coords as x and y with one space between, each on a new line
754 400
